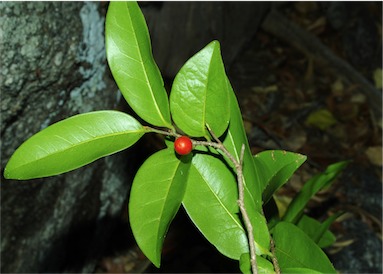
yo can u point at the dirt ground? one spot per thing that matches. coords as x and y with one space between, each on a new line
294 102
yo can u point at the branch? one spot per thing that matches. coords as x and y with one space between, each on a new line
241 192
274 259
241 197
163 132
246 219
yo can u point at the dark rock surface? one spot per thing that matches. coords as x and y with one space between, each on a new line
53 66
364 255
363 196
178 30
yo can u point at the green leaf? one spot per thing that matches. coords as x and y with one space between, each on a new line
72 143
317 231
274 168
311 187
321 119
210 201
233 140
263 265
199 94
245 264
294 249
297 270
129 54
155 198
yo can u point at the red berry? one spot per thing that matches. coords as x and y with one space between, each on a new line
183 145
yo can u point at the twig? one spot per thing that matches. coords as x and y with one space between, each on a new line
241 192
160 131
274 259
241 198
246 219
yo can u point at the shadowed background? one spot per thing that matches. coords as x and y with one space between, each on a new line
53 66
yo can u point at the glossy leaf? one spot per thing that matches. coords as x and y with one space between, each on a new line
317 231
274 168
264 266
129 54
311 187
294 249
155 198
297 270
72 143
233 140
210 201
199 94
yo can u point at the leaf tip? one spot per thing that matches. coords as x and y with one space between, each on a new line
8 174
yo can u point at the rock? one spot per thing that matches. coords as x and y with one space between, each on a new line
54 66
358 32
180 29
363 196
364 255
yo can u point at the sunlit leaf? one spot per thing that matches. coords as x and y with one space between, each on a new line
129 54
264 266
72 143
294 249
211 202
298 270
274 168
155 198
233 140
199 94
244 263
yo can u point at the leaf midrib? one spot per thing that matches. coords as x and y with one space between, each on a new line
219 200
145 72
89 140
